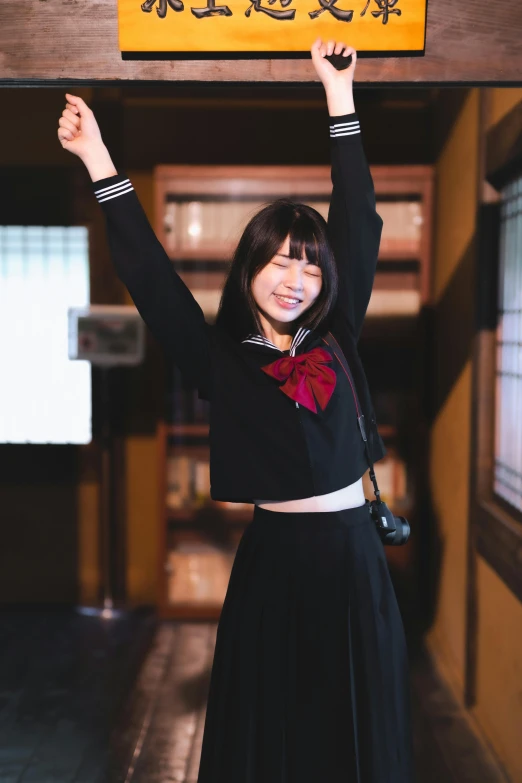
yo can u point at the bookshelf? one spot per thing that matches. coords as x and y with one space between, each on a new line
200 213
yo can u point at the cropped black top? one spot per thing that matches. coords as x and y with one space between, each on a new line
264 444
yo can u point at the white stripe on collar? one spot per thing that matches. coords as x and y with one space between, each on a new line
259 339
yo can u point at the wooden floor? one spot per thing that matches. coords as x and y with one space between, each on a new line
84 700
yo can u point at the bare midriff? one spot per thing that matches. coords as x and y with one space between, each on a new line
351 496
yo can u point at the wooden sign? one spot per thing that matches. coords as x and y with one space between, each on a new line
158 29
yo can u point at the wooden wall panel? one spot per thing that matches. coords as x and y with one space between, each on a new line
453 275
65 42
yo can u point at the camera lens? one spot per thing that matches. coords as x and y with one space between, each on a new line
402 532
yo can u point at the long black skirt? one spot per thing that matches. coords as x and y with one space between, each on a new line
310 680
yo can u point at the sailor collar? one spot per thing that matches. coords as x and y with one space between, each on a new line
308 380
299 338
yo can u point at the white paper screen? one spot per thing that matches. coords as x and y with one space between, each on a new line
44 397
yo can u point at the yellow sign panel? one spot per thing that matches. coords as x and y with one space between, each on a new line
270 26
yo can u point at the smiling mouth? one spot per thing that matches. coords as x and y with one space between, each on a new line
288 299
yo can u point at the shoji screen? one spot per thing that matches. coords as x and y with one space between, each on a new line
44 397
508 425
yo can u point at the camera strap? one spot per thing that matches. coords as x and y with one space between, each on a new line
332 343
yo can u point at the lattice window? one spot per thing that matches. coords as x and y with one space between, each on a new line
44 397
508 419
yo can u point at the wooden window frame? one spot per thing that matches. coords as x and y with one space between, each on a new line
497 524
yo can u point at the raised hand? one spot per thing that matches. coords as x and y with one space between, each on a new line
78 130
330 76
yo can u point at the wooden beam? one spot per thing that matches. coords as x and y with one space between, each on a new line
56 42
499 541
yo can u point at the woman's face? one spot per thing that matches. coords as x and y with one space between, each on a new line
286 287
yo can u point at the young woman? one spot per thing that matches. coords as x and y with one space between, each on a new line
309 681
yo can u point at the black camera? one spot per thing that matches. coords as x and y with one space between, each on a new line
393 531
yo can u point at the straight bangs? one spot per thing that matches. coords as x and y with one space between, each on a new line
304 241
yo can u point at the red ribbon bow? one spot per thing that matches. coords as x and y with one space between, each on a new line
306 377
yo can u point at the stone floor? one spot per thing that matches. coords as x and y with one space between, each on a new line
83 700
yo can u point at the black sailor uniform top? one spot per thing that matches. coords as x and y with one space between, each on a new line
263 444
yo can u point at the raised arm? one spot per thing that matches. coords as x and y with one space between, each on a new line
163 300
354 225
353 222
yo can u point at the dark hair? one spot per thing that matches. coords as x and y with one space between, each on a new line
259 243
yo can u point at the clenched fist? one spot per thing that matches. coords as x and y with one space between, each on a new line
330 76
78 132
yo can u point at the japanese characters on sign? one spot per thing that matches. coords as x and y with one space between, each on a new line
386 7
248 25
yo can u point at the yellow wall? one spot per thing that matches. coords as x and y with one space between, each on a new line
499 668
142 520
497 714
142 475
88 505
456 187
455 199
502 101
449 471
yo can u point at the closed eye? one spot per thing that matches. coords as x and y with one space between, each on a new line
308 272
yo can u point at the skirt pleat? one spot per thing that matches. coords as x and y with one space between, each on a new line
310 677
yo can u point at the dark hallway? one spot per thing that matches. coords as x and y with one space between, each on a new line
90 701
